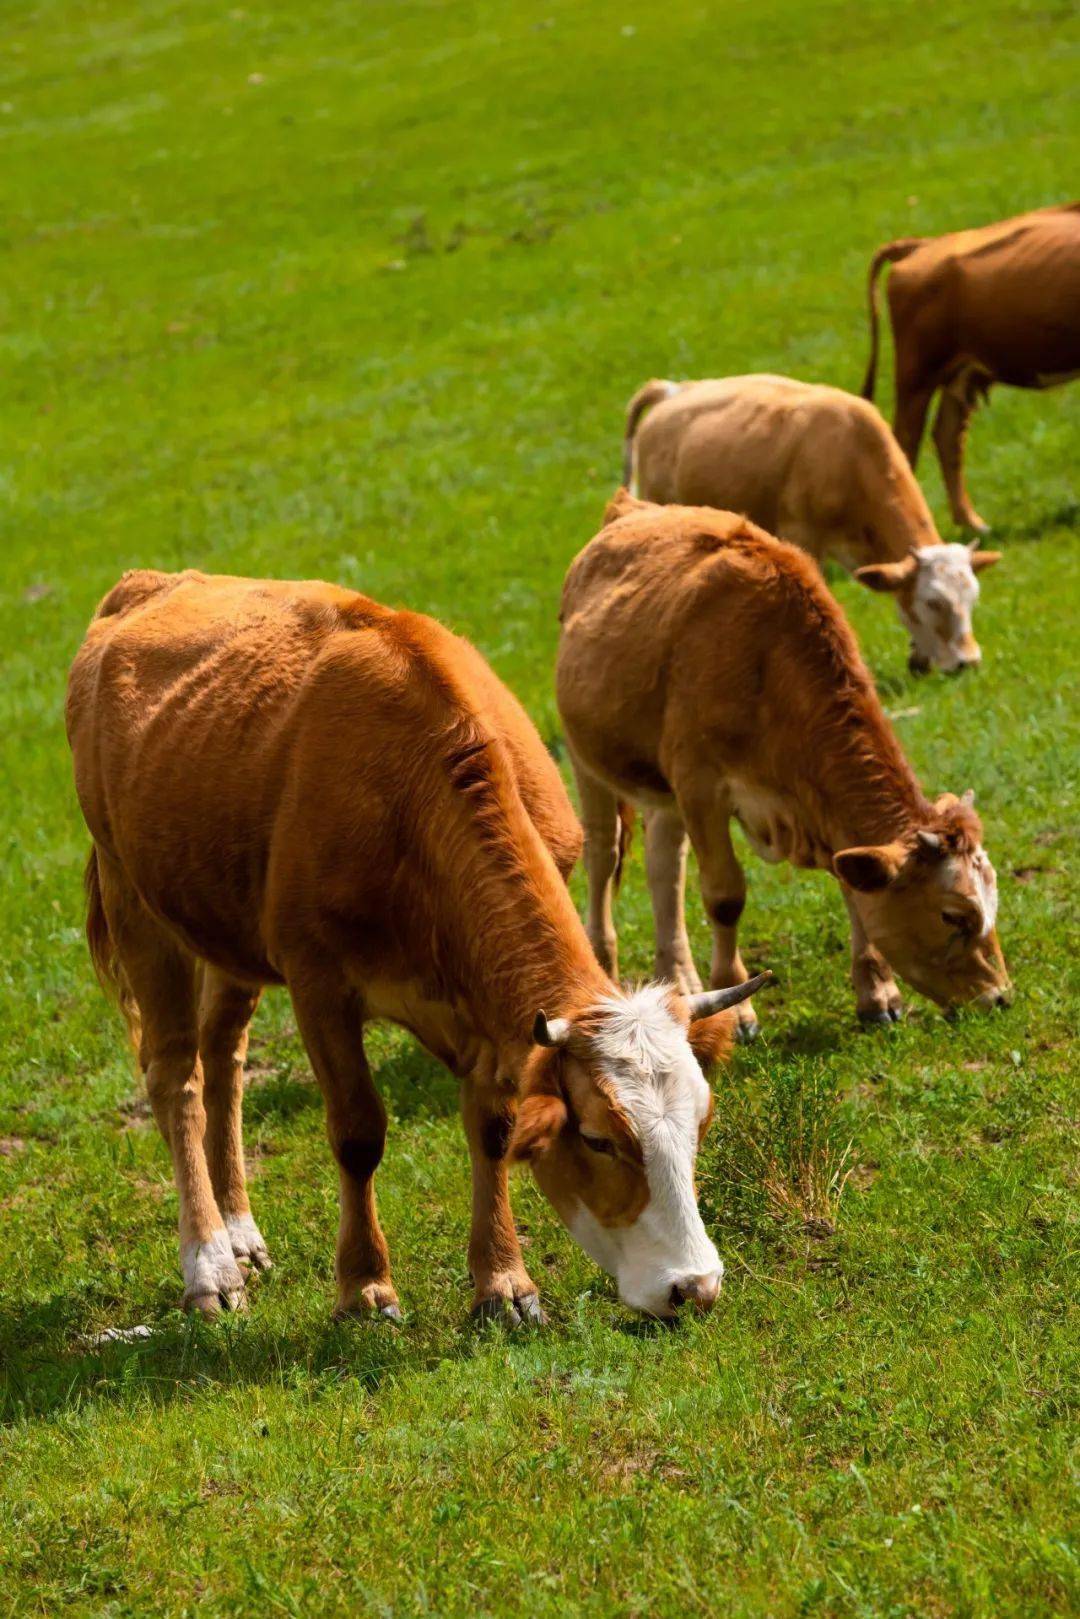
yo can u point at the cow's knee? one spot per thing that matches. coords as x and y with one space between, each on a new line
726 912
360 1154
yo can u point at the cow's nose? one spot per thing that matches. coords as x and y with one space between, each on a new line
701 1291
918 665
992 998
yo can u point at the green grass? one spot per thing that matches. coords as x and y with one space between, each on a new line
359 291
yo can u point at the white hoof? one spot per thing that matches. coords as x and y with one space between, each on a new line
247 1241
212 1278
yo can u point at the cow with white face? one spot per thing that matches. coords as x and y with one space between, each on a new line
408 863
614 1108
819 468
936 590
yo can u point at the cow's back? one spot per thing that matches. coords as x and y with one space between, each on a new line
792 456
1005 297
254 751
650 584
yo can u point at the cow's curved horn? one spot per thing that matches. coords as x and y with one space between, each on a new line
967 798
929 841
553 1033
711 1001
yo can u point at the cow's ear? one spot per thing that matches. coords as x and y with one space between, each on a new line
984 559
887 576
870 869
540 1119
711 1039
621 504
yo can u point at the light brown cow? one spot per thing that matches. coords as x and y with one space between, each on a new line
819 468
290 784
997 304
704 671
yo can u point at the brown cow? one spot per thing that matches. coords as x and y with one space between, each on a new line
704 671
997 304
819 468
290 784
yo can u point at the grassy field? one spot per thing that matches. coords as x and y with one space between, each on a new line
359 291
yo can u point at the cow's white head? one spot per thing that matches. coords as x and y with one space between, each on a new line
614 1106
936 590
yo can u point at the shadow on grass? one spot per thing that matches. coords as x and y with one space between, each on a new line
184 1354
410 1081
1065 516
810 1034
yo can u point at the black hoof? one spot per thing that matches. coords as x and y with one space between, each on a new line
529 1310
510 1313
498 1309
367 1312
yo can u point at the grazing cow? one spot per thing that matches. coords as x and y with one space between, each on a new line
997 304
818 467
704 671
290 784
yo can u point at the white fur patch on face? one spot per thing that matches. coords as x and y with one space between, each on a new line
979 872
985 881
938 616
644 1053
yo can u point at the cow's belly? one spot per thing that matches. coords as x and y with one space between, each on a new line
772 830
443 1026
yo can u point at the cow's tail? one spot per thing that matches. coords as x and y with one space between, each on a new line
653 393
891 253
103 952
626 838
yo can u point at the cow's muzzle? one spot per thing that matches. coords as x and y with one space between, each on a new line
700 1291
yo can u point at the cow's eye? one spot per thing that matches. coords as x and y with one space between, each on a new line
958 920
599 1144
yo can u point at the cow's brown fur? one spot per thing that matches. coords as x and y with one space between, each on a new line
705 671
997 304
814 465
291 784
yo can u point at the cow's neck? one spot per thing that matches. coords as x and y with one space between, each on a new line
902 521
508 940
849 784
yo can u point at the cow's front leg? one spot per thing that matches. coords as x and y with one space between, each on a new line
600 819
666 845
723 891
330 1020
504 1290
877 999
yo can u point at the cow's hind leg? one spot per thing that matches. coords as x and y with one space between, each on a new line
162 976
504 1289
666 845
877 999
600 818
913 398
955 410
226 1007
330 1019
